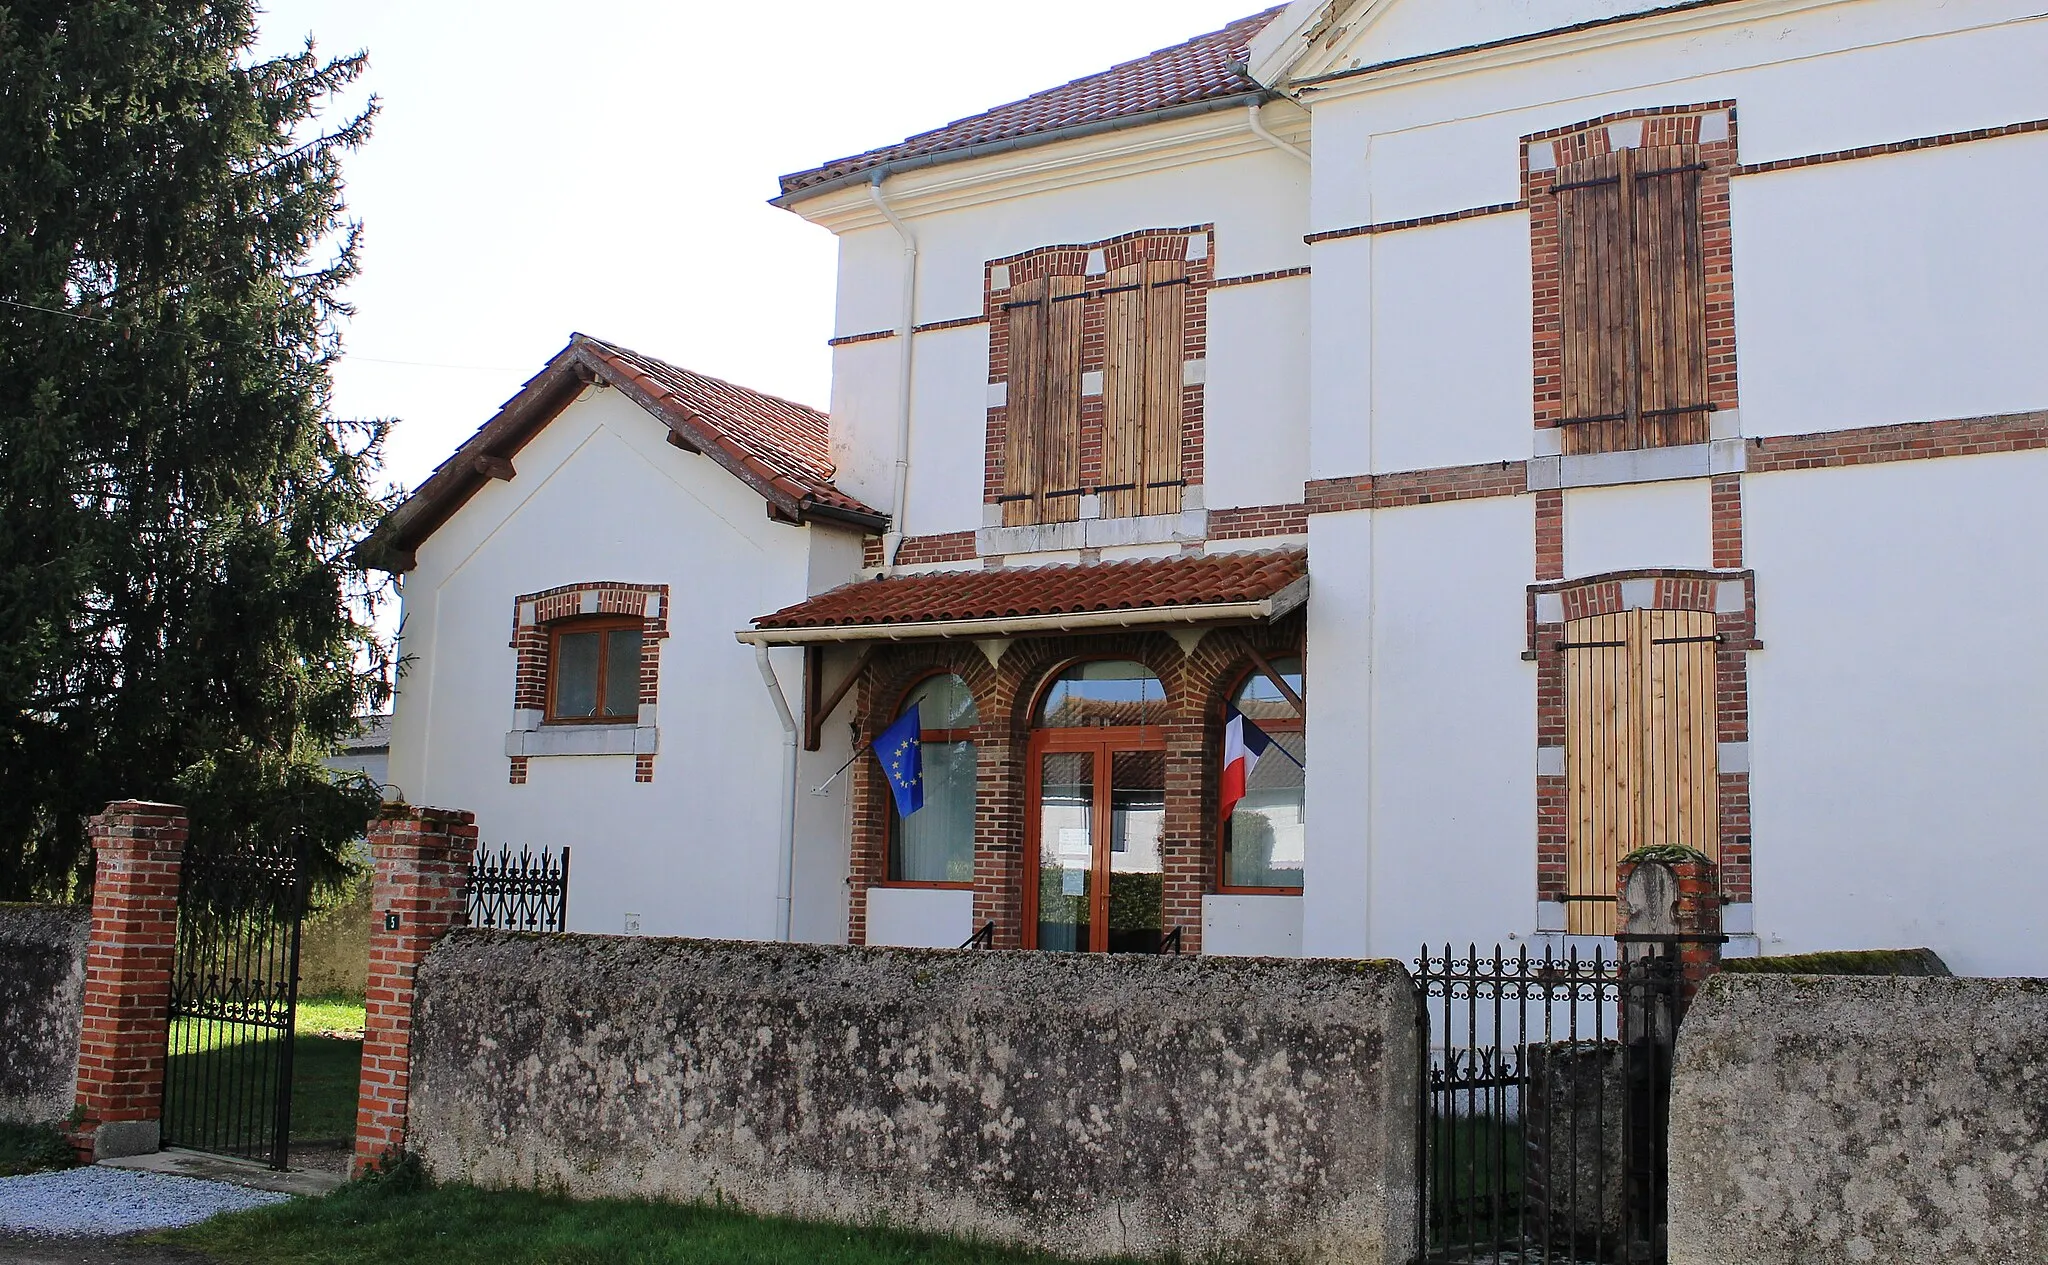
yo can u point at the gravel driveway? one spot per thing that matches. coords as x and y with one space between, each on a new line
105 1201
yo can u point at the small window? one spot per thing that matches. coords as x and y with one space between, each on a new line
1266 837
594 673
1104 693
935 844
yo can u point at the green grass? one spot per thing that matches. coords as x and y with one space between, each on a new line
386 1224
327 1053
32 1148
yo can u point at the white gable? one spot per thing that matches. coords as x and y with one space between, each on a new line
1315 37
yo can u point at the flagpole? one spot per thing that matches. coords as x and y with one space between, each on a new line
857 752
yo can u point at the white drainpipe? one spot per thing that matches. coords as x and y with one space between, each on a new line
906 335
1259 130
785 869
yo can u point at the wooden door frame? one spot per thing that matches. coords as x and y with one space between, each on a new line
1102 743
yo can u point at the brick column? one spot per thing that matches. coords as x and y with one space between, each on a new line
421 891
1676 895
138 848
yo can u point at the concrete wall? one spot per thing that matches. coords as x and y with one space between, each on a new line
599 496
42 990
1087 1105
1817 1120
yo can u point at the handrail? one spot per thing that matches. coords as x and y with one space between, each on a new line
1171 938
982 939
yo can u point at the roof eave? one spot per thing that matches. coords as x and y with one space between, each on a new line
1254 95
1263 610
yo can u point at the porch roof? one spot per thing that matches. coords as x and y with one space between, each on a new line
1008 601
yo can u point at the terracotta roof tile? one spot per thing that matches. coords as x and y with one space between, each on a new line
1201 69
1009 592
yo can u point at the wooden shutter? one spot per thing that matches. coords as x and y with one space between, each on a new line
1632 282
1671 288
1042 449
1596 289
1142 385
1681 783
1640 765
1027 403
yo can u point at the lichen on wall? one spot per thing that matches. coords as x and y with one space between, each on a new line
1255 1109
1825 1119
42 993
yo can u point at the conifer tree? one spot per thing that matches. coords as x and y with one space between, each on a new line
179 617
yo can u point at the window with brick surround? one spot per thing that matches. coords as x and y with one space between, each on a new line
1264 839
1640 755
935 845
587 673
1631 265
1092 346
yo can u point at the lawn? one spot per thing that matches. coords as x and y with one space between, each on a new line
388 1224
327 1053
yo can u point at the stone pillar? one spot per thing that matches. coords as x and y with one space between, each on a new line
138 849
1673 895
421 891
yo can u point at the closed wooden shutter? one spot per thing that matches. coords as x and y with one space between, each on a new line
1142 385
1632 282
1597 292
1042 449
1027 401
1640 765
1671 307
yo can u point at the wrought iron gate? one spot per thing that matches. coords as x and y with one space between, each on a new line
234 999
1546 1085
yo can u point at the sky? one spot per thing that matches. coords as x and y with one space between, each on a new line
605 165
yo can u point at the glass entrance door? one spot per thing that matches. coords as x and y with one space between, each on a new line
1099 885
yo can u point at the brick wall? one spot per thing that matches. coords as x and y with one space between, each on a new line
421 891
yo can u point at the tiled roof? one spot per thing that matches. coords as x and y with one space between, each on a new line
1198 70
777 447
1014 592
787 443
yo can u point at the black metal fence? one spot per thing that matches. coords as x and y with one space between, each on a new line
234 1000
528 891
1546 1085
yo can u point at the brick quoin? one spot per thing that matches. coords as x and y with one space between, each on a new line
422 858
138 849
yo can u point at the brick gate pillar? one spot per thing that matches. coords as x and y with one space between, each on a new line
420 892
138 849
1674 894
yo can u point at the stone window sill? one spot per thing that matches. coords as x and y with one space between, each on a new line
549 740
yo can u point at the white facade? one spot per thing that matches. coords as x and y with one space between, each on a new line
1894 692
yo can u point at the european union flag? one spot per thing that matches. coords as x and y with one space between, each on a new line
901 752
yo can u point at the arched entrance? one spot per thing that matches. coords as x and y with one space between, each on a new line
1095 807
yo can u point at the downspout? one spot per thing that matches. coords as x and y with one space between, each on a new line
906 331
1259 130
785 868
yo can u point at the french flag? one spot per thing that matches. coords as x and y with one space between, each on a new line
1243 744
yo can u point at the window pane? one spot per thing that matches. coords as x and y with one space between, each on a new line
935 844
944 702
1260 699
1105 692
1267 835
622 673
576 674
1137 810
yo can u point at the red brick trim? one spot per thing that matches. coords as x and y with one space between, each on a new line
1662 125
1416 487
1725 512
872 336
951 546
138 851
421 858
530 642
1253 278
1420 221
1896 147
958 322
1672 589
1072 260
1550 534
1245 522
1907 441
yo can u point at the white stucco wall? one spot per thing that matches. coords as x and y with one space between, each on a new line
1899 709
1640 525
920 917
600 496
